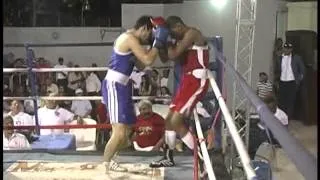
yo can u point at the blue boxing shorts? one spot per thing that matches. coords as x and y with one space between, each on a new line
119 103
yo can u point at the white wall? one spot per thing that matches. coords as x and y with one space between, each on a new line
302 16
222 22
84 56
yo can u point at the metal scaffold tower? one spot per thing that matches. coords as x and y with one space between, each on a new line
244 41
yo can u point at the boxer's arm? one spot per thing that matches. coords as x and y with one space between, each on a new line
175 51
146 57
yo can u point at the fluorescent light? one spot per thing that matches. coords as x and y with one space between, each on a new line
219 3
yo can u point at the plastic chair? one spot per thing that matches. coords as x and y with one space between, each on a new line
85 138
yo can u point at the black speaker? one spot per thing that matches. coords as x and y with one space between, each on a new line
304 44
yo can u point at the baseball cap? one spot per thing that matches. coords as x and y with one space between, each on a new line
287 45
78 91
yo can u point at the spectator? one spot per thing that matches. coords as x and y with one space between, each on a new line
136 77
164 78
93 85
81 108
44 75
264 86
19 91
62 75
63 104
11 139
98 73
51 87
101 111
7 93
51 114
75 79
166 94
271 102
289 73
145 87
149 128
155 82
102 117
19 117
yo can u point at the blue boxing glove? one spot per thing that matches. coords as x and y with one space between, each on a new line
160 37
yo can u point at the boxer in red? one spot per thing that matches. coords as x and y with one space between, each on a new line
194 83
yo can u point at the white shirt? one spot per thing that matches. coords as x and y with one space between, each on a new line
22 119
59 74
73 77
164 82
282 116
81 108
286 70
53 88
58 116
93 83
16 141
136 77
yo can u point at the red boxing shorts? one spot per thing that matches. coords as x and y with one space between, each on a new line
190 92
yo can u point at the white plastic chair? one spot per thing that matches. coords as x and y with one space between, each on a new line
85 138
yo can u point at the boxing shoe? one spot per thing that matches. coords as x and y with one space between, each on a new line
166 161
114 166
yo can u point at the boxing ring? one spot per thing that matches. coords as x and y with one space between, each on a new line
87 165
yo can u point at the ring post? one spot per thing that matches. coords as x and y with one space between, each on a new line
32 80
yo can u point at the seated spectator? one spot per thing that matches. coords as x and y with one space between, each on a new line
149 129
20 118
264 87
11 139
271 102
64 103
155 82
146 86
102 118
165 93
52 114
51 87
136 77
81 108
75 79
102 114
164 78
5 104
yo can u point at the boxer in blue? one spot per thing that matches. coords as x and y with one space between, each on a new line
128 51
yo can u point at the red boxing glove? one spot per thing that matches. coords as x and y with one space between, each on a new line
158 21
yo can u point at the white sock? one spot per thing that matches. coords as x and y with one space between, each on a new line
170 139
188 140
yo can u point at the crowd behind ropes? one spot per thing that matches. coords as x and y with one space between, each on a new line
150 124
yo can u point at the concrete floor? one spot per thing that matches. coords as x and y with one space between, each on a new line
307 135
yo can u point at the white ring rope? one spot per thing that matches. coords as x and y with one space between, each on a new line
73 69
65 98
233 130
203 147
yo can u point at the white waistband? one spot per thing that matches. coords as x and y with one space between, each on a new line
199 73
117 77
195 47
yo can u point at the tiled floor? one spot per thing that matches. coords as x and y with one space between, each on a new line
307 135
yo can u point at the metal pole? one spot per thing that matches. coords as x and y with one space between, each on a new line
32 80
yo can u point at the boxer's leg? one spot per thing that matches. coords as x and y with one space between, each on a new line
117 138
179 126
